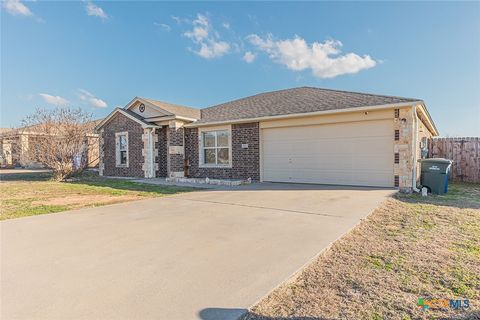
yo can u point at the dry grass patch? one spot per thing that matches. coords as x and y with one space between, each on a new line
409 248
34 193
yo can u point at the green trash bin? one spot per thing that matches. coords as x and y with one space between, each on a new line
434 174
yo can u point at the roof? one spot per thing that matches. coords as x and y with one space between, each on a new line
137 117
294 101
174 109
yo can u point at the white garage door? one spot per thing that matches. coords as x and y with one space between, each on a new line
353 153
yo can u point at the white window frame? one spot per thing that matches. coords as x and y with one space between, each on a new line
117 149
201 153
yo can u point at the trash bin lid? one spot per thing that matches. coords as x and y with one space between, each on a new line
437 160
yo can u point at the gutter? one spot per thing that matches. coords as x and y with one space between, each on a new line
433 129
304 114
168 118
414 150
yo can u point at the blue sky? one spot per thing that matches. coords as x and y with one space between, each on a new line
98 55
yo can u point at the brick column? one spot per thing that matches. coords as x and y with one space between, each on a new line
403 146
176 149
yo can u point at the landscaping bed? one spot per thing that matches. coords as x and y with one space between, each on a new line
28 192
408 252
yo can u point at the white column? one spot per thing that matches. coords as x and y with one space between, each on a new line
149 152
101 164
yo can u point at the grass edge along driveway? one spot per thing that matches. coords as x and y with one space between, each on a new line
409 248
33 193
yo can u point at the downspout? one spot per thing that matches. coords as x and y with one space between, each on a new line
414 150
184 152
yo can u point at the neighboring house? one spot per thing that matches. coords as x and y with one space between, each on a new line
301 135
14 145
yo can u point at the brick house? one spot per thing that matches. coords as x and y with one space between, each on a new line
15 144
299 135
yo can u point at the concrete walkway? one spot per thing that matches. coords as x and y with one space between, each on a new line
202 255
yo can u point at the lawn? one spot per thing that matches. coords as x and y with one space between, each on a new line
407 249
32 193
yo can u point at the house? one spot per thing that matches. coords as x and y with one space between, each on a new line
15 144
299 135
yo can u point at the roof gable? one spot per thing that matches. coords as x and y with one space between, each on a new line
129 114
154 109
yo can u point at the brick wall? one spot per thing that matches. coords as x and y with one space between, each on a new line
245 162
175 138
121 123
161 146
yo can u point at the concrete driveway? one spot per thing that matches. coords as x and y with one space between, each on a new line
202 255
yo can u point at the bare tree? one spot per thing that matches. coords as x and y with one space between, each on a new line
59 139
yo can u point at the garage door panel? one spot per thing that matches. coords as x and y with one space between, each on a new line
341 130
339 177
357 153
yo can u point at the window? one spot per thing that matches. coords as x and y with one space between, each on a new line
121 146
215 148
424 143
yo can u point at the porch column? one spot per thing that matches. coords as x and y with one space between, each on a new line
149 152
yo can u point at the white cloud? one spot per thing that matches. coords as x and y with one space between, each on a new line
323 58
91 99
15 7
96 11
248 57
164 26
55 100
198 33
208 40
226 25
213 49
179 20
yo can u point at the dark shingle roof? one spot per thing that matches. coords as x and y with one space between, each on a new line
292 101
137 116
176 109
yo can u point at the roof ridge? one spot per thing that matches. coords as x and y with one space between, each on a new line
358 92
167 103
314 88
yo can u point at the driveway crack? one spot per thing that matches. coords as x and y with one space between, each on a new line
262 207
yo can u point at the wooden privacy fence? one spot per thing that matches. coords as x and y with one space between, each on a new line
465 153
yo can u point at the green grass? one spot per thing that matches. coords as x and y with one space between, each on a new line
26 194
120 187
379 262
